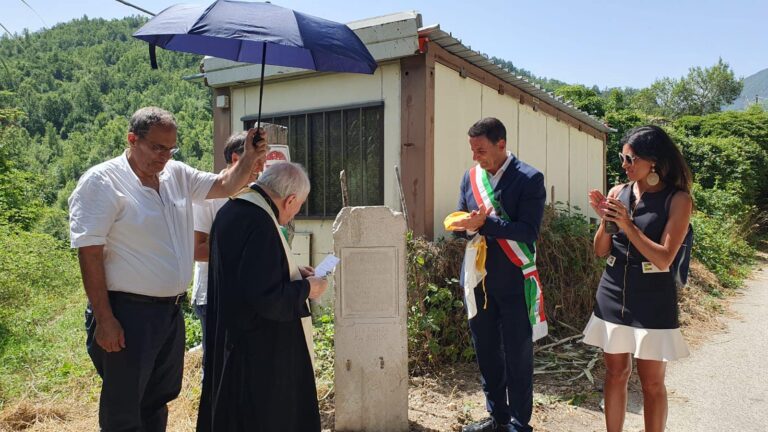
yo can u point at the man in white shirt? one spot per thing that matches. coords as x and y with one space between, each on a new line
204 213
131 221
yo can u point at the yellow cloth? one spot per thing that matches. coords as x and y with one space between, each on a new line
481 246
453 218
481 249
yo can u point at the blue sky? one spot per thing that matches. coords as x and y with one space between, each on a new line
602 42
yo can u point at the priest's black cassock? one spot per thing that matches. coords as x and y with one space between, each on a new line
258 374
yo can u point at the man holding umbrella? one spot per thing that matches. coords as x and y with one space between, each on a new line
256 32
131 221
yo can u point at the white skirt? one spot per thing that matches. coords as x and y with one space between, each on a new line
645 344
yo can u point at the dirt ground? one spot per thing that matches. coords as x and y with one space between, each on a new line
567 390
565 400
437 402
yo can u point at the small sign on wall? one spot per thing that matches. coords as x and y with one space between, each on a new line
277 153
277 138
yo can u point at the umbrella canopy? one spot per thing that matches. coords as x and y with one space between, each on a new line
259 33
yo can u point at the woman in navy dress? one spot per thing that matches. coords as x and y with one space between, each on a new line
636 311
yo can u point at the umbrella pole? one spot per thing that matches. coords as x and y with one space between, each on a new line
261 85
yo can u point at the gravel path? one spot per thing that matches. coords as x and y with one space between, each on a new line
723 386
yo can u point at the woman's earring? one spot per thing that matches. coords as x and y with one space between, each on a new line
653 178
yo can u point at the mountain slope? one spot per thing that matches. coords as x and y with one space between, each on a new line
754 85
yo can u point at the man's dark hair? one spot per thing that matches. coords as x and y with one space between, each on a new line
489 127
145 118
234 145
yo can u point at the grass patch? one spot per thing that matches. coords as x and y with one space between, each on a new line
42 338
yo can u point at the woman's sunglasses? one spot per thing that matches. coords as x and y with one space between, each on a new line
629 159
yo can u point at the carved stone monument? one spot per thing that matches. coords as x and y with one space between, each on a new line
371 368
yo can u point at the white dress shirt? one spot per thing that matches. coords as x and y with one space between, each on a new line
204 213
147 237
496 177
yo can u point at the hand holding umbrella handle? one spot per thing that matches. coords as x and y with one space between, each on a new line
258 150
255 138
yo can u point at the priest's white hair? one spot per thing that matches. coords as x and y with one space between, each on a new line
285 178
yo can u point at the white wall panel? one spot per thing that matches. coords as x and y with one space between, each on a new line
558 157
457 107
579 171
533 138
503 108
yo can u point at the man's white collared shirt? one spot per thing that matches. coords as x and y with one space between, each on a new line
148 237
496 177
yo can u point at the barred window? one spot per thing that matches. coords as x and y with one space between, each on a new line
326 142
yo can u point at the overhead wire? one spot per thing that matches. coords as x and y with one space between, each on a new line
135 7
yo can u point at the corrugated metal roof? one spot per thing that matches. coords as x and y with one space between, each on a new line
454 46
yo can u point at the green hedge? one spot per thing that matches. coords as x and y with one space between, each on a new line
720 245
735 165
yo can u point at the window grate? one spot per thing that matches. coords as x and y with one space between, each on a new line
326 142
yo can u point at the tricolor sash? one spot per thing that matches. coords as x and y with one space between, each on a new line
518 252
254 197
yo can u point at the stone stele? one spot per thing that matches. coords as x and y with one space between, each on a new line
371 341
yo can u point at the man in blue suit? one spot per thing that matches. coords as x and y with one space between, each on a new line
505 199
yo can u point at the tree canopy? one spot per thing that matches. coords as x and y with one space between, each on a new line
65 98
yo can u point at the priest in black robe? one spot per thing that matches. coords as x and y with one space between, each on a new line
258 371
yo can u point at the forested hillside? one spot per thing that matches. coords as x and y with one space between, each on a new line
65 96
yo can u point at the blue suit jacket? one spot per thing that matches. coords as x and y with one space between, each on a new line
523 196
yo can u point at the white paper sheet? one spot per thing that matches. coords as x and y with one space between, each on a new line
326 266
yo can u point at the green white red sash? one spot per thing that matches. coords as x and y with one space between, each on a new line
518 252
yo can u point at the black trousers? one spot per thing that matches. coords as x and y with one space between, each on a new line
140 379
502 337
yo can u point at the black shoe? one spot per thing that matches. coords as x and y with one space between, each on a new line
513 426
485 425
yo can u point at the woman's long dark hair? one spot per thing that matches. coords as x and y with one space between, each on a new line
653 144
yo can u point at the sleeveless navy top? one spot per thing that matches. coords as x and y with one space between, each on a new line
631 292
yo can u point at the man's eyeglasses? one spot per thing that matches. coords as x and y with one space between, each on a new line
629 159
162 150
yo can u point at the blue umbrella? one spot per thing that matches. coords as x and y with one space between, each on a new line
258 33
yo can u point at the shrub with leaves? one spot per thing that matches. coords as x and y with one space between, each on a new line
721 204
569 269
324 347
736 165
438 332
720 246
193 327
